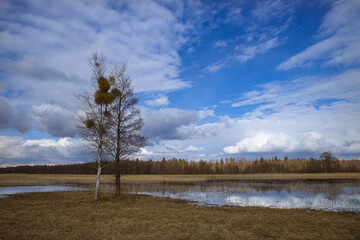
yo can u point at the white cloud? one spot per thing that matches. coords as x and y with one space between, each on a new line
263 142
143 152
206 113
220 44
272 9
340 44
191 148
11 148
146 35
304 91
303 115
17 151
62 142
300 117
215 67
248 52
161 101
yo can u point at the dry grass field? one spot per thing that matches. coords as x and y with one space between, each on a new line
75 215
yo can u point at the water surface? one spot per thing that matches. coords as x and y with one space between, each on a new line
331 195
5 191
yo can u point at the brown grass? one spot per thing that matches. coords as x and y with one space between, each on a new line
40 179
74 215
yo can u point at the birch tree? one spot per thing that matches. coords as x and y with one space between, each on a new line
95 117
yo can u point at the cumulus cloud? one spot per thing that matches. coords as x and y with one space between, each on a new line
303 115
11 148
144 153
161 101
206 112
179 148
191 148
169 123
54 120
175 124
340 39
279 142
18 151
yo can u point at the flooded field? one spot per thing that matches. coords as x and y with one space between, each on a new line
329 195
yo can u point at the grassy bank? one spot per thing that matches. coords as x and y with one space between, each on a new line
74 215
31 179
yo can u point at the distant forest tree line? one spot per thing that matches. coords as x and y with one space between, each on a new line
326 164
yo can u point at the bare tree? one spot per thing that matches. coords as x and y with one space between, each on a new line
95 118
110 121
126 121
331 162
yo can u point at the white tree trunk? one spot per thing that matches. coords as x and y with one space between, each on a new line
97 187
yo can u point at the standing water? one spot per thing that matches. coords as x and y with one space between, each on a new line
5 191
331 195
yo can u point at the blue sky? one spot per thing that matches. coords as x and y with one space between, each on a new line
215 79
